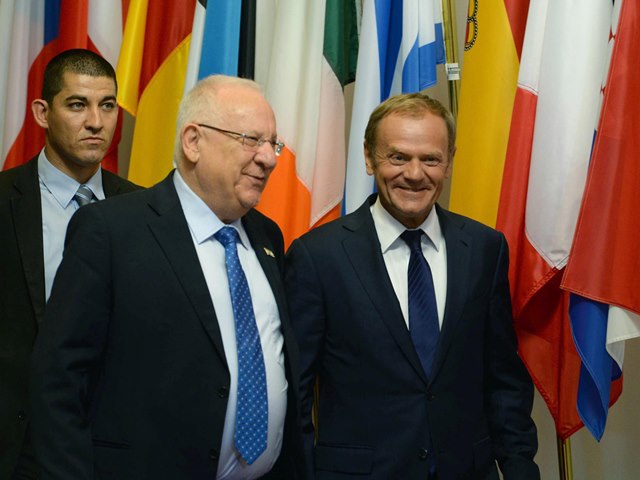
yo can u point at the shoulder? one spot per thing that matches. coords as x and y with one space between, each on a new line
123 185
450 220
121 209
329 236
256 221
256 217
330 229
9 179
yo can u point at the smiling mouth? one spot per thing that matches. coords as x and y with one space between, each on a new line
413 190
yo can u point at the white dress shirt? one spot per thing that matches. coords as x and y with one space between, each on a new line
58 206
203 224
396 254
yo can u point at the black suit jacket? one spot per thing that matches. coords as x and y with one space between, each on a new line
130 379
22 296
379 416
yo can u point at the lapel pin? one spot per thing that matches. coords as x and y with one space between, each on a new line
268 252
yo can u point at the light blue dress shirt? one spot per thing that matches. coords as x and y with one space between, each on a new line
56 198
203 224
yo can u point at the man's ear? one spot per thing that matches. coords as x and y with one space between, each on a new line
369 160
190 139
449 168
40 108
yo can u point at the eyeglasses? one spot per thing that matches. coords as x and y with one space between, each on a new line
398 159
248 140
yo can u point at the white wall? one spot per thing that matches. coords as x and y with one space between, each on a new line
616 457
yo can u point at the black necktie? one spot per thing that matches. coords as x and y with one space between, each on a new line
423 312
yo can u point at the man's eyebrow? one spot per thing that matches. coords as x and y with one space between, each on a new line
71 98
82 98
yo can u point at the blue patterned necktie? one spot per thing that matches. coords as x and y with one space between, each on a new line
83 195
252 408
423 311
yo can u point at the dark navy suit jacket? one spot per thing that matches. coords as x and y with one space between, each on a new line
379 416
22 296
130 378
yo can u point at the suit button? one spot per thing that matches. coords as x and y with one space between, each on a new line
22 415
223 392
214 454
431 397
423 453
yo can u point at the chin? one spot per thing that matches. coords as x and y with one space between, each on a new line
249 203
91 161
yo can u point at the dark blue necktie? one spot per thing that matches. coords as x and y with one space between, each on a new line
423 312
250 435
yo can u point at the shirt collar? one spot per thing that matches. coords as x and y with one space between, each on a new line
202 222
389 229
62 186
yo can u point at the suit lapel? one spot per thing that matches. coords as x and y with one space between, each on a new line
458 256
266 253
364 253
27 218
271 257
169 226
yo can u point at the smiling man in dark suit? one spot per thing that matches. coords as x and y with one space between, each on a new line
166 350
78 111
402 311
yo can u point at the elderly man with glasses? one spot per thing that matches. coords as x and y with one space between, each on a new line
166 349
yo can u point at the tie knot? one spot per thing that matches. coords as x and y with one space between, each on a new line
412 238
83 195
227 236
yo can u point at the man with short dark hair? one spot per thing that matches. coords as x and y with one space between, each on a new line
78 111
402 312
169 354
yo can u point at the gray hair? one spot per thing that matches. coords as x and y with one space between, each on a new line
201 102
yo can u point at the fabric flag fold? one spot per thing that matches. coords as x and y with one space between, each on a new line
495 33
151 74
216 33
602 272
400 45
554 116
311 57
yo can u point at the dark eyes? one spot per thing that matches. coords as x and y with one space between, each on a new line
78 106
400 160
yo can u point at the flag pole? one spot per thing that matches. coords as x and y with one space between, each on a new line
564 459
451 49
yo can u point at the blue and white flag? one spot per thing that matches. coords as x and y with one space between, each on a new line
215 40
400 44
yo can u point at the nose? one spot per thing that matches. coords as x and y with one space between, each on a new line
266 155
93 120
414 170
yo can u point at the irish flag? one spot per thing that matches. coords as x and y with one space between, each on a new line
311 57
